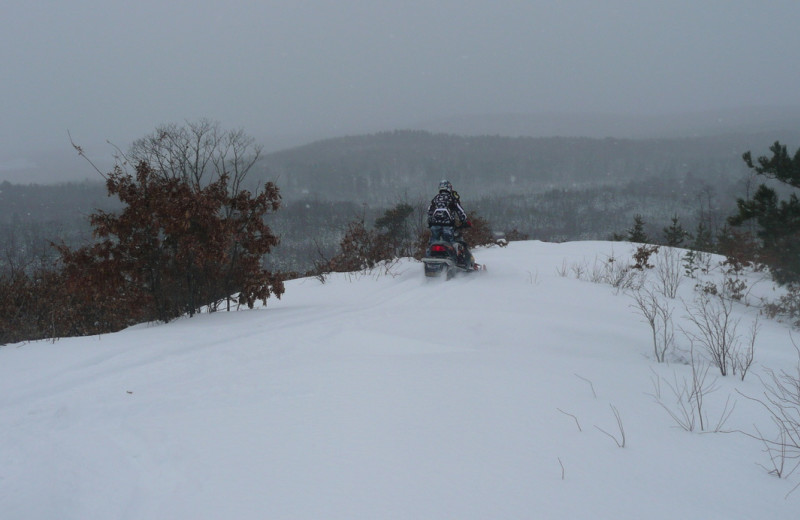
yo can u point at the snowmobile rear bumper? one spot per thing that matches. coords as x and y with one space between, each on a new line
437 266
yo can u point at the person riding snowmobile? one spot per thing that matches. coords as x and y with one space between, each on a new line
442 213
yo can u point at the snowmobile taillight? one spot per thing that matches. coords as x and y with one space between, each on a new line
437 248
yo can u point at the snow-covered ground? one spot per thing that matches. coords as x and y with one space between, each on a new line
386 396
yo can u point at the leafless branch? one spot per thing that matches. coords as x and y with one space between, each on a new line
81 153
621 441
590 384
575 418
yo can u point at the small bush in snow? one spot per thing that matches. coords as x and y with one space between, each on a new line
668 272
787 306
781 399
658 314
641 257
695 262
688 409
715 330
610 271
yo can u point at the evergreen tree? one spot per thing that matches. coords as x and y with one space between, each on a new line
702 240
674 234
637 233
778 221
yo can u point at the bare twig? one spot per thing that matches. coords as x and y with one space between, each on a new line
576 419
744 358
83 154
563 270
590 384
725 415
668 271
620 442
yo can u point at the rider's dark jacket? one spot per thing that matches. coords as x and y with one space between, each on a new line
444 209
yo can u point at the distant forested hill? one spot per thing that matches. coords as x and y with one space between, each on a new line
53 202
549 188
383 167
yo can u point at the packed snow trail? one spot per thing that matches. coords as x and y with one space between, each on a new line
380 395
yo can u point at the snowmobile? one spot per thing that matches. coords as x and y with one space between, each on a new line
443 258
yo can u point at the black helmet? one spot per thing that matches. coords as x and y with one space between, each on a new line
445 186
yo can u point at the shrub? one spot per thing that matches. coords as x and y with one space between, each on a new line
176 246
480 234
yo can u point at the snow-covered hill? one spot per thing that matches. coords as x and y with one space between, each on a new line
386 396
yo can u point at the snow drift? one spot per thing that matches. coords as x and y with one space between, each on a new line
517 393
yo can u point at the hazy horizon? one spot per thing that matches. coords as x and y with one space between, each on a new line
293 72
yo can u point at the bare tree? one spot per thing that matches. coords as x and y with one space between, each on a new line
198 153
202 153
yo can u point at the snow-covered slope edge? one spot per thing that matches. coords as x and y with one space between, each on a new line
385 396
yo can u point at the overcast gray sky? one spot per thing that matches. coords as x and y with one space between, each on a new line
114 70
